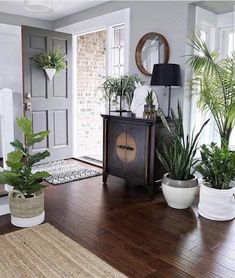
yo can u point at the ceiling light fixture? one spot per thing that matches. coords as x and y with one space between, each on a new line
38 6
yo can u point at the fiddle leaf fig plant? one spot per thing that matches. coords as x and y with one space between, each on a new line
51 60
20 161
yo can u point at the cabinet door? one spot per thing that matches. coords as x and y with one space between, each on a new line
137 151
116 147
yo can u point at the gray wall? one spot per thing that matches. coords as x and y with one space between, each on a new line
173 19
23 20
169 18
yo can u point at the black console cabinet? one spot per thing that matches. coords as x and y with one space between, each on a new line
129 146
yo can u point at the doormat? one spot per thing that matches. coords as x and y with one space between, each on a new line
91 160
64 171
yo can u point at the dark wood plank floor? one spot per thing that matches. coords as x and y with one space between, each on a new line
138 236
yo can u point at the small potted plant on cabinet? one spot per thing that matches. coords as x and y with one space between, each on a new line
149 107
217 192
52 61
179 184
26 200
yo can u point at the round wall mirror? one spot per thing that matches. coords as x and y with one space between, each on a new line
151 49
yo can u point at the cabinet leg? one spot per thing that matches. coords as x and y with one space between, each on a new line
105 177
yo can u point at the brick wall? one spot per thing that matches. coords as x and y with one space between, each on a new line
91 67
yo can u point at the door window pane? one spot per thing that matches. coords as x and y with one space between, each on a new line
118 48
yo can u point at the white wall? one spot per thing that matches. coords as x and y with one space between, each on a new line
10 66
225 20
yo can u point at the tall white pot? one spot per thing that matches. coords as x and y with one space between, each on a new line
217 204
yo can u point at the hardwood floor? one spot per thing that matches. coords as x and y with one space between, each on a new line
138 236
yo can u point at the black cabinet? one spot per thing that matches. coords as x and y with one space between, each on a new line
129 149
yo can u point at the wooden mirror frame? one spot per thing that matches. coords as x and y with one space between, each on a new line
139 48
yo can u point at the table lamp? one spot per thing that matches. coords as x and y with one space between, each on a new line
166 75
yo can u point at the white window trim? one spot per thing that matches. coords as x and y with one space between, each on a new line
110 37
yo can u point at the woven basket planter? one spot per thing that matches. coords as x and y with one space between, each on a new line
26 212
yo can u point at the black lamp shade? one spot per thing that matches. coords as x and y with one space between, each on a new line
166 75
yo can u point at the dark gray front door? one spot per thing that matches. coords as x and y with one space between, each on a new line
51 101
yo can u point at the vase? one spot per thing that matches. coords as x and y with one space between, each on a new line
50 72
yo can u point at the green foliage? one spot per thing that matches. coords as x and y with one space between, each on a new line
177 157
217 166
149 98
51 59
214 82
20 161
123 86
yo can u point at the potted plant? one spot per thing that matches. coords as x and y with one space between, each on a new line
149 107
26 200
179 184
52 61
217 192
119 90
214 82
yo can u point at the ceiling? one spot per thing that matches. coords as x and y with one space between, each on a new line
60 8
217 7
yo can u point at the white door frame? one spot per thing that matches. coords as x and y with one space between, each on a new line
93 25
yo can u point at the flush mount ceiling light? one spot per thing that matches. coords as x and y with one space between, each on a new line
38 6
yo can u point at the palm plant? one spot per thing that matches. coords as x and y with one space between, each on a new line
214 82
178 157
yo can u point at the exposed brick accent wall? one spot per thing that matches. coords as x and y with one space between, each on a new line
91 67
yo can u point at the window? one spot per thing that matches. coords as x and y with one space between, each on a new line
210 133
198 117
227 42
117 50
228 46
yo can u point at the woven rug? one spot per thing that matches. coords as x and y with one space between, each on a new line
43 251
64 171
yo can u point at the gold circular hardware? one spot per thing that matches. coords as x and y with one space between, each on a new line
126 147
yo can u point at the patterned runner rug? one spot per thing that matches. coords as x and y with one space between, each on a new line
45 252
64 171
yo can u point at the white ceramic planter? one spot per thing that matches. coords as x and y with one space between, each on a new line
50 72
179 194
216 204
28 222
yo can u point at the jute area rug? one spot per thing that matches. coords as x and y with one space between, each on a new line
43 251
